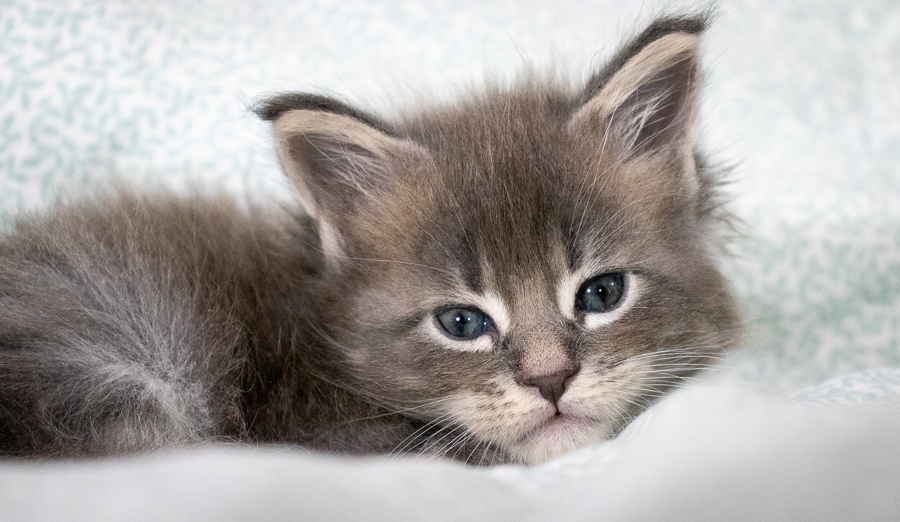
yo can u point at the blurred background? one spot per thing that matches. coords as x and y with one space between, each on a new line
802 98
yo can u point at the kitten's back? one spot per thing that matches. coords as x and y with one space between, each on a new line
125 321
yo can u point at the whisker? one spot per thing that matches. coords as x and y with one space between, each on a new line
412 439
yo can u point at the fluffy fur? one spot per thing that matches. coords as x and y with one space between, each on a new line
145 321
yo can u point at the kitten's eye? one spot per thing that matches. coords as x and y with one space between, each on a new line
601 293
464 323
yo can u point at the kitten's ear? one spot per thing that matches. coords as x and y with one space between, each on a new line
341 160
646 98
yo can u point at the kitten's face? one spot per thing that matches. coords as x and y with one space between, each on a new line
551 268
529 269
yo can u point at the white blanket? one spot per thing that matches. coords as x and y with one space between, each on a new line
705 453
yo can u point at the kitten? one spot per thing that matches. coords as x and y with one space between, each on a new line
504 279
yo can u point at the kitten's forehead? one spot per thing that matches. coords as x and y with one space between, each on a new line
510 158
519 258
501 188
515 203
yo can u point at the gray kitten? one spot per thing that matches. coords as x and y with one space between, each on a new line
504 279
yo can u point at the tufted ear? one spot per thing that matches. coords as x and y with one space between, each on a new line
341 160
646 100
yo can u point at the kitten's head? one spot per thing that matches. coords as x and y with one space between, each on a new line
529 268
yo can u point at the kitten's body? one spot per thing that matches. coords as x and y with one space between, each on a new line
136 322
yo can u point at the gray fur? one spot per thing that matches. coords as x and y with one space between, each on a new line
134 322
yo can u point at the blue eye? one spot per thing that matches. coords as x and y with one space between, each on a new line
600 294
464 323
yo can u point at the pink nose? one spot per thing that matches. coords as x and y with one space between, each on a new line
551 386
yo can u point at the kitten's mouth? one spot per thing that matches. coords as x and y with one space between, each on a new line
557 426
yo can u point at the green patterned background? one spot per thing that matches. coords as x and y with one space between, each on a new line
803 100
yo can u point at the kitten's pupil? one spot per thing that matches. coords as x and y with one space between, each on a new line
601 293
464 323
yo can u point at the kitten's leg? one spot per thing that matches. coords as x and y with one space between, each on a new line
95 362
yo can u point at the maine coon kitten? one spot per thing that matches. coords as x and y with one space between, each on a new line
504 279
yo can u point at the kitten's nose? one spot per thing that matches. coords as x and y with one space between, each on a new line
552 386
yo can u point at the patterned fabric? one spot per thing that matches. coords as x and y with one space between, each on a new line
881 385
157 93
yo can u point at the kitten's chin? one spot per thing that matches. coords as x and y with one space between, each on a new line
558 436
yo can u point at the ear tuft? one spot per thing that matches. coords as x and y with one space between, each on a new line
269 109
659 28
342 161
646 98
